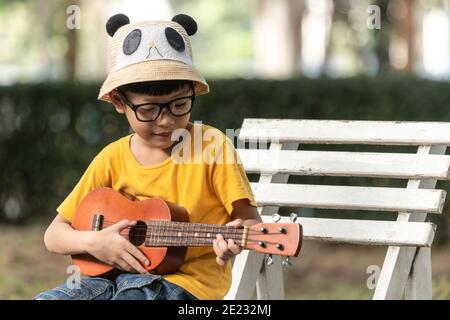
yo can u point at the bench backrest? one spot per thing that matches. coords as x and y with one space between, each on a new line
422 169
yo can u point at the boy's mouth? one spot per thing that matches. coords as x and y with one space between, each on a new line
163 134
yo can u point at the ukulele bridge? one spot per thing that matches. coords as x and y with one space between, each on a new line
97 222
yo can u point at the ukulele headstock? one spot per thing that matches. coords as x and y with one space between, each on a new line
282 239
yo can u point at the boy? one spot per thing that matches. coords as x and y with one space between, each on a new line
154 84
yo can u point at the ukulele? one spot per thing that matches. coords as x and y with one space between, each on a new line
163 232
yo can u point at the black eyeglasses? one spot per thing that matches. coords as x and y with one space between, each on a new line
147 112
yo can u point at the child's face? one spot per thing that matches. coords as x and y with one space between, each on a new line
157 133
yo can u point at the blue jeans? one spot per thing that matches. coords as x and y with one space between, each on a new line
126 286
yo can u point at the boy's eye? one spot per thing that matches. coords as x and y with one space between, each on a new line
181 103
149 108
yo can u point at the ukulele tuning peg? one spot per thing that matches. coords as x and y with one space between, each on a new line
286 262
293 216
269 260
276 217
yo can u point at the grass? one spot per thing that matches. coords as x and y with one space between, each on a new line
331 271
322 271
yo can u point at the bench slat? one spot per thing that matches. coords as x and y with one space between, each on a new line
347 132
353 198
366 232
330 163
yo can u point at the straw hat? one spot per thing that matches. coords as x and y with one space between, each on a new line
151 50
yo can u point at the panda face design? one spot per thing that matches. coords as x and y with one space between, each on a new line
153 42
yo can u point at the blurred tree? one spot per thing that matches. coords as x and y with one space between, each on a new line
71 35
393 44
402 12
223 45
6 3
339 20
408 31
382 38
350 41
278 37
49 47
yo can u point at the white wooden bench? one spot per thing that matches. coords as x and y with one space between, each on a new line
406 272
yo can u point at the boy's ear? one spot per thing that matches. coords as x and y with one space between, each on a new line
117 101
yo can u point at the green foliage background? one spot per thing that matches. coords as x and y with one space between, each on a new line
49 132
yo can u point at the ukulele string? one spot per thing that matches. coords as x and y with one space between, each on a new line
161 243
200 237
159 233
166 223
176 228
170 239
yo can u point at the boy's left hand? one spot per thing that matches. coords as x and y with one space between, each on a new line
226 250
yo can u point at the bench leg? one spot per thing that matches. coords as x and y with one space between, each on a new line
245 273
399 261
394 273
270 284
419 284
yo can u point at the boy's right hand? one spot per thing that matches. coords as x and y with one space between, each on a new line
110 247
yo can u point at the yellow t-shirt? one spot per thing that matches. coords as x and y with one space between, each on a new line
205 188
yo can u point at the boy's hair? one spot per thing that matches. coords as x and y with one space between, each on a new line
155 88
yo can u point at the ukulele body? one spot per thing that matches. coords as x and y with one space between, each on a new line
114 207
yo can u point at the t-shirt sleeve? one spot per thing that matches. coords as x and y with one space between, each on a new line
229 179
96 176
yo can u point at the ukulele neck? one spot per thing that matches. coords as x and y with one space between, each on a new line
174 233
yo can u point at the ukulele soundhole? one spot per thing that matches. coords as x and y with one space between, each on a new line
138 233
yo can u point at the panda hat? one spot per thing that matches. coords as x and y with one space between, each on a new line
149 51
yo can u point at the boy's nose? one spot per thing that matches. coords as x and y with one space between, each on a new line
165 118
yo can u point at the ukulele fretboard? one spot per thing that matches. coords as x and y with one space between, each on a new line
173 233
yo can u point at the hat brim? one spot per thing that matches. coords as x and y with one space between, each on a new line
153 70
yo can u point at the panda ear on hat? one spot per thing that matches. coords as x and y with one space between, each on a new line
115 22
187 22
